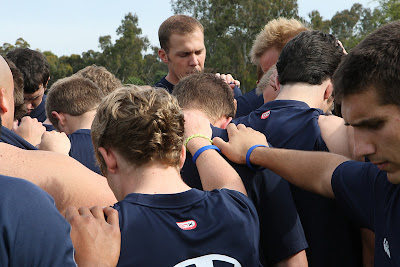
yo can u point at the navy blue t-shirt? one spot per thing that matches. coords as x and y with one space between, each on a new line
170 87
188 228
333 240
14 139
82 149
248 103
40 111
281 233
369 199
33 232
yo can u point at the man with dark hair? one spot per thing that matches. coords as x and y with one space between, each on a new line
138 135
71 106
367 83
297 120
182 48
36 73
282 240
19 103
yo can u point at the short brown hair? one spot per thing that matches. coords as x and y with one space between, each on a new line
143 125
72 95
101 77
275 34
20 109
179 24
206 92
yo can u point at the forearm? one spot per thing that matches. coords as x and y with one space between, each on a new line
297 260
214 171
310 170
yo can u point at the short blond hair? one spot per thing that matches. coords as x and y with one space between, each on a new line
275 34
72 95
143 125
104 79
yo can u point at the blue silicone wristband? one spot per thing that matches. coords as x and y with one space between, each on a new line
248 156
201 150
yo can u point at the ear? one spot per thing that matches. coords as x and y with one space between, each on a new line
277 83
110 159
59 117
163 55
183 157
3 101
328 90
227 121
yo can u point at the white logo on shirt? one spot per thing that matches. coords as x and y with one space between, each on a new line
386 246
207 261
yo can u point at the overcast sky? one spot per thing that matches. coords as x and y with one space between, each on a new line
73 27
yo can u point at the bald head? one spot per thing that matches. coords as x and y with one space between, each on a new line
6 94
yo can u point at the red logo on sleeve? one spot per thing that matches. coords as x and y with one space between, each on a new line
187 225
265 114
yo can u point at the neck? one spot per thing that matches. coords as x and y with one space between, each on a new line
151 179
83 121
312 95
172 78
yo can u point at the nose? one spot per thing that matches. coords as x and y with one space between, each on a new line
193 61
363 143
29 105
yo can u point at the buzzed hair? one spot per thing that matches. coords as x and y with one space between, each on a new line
178 24
275 34
104 79
206 92
143 125
72 95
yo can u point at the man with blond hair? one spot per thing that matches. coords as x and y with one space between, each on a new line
264 54
138 135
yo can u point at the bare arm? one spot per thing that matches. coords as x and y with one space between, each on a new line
311 171
215 172
65 179
297 260
337 136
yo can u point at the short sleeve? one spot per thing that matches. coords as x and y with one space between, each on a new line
353 186
33 230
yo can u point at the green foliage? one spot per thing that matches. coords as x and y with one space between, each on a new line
230 26
19 43
58 69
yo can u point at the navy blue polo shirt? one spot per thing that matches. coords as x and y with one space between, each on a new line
33 232
82 149
163 83
369 199
14 139
188 228
40 111
332 238
281 232
248 103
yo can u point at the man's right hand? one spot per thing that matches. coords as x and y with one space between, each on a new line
29 129
241 139
56 142
97 241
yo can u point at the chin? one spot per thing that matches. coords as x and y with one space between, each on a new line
394 177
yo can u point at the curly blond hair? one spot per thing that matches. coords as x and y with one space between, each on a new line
143 125
101 77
